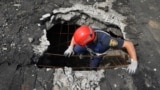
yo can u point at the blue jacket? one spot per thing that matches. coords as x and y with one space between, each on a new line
104 42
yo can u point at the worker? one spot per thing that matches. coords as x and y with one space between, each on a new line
96 42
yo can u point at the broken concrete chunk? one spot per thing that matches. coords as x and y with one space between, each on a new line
77 80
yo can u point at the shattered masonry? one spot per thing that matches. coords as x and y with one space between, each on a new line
44 43
80 80
93 11
76 80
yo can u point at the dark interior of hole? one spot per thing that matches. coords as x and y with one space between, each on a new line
59 37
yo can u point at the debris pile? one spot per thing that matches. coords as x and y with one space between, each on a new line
67 79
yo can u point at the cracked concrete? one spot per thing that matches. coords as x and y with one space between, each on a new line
19 31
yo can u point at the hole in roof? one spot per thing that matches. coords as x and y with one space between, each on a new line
59 36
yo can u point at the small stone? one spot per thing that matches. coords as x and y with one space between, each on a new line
48 69
12 44
39 24
30 39
115 85
17 5
4 48
155 69
45 16
84 17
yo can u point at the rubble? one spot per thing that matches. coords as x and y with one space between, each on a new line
44 43
18 72
67 79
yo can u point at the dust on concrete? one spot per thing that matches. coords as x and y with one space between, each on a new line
19 31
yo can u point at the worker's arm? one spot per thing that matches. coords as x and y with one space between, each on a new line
128 45
69 51
72 43
132 53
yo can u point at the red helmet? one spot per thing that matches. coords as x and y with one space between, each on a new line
83 35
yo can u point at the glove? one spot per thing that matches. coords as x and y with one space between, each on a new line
80 56
132 67
69 51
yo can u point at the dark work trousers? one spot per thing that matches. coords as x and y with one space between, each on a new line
94 62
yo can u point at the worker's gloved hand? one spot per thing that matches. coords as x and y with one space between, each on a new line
80 56
133 66
69 51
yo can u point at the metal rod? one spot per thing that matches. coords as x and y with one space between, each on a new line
113 62
101 67
63 33
68 32
61 44
59 40
119 61
54 54
63 55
